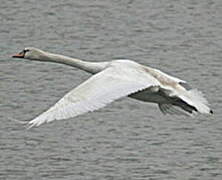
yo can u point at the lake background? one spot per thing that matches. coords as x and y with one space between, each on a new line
127 140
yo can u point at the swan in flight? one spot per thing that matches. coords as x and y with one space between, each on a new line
113 80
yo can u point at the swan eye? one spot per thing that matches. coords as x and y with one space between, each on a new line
25 50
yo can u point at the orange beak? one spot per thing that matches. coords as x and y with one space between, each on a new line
19 55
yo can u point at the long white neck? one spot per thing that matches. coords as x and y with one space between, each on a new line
91 67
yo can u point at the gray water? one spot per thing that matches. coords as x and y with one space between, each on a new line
127 140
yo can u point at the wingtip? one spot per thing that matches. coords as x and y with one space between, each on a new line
30 126
33 123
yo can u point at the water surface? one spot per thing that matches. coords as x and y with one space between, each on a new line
127 139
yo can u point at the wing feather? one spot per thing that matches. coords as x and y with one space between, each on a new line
96 92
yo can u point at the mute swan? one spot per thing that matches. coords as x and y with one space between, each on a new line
113 80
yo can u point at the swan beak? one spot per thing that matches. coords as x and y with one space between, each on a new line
19 55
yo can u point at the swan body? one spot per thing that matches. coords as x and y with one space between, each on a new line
113 80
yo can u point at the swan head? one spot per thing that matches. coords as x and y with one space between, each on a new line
30 53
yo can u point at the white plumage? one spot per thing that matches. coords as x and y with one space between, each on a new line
116 79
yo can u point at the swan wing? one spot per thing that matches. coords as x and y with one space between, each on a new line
173 110
99 90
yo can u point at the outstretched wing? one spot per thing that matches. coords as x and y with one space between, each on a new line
96 92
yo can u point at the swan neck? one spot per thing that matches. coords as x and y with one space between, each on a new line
91 67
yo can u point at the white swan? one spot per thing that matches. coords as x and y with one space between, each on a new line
116 79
